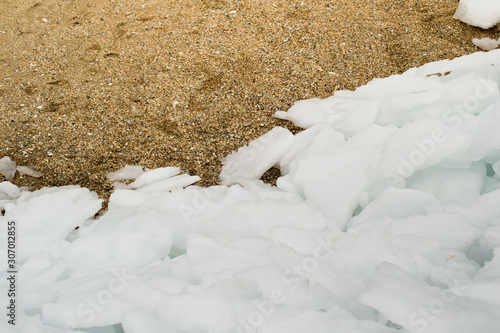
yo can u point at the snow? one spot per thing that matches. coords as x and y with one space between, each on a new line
127 172
480 13
486 44
250 162
385 219
395 293
7 167
25 170
154 176
9 191
158 180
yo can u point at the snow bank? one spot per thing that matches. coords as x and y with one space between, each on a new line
479 13
7 167
385 219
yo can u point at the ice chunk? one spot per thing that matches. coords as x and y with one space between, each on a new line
308 113
121 238
140 321
418 307
197 312
169 184
207 255
154 176
45 217
252 161
320 320
487 140
486 281
496 168
262 216
7 168
127 172
25 170
333 184
127 199
490 184
41 270
9 191
360 116
397 203
451 230
417 146
491 237
486 44
479 13
94 308
400 109
296 238
462 185
317 140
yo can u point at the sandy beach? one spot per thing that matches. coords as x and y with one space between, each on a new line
88 86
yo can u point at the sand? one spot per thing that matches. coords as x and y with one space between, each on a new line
88 86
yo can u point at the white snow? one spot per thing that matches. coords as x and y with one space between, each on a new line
7 167
486 44
158 180
9 191
154 176
169 184
126 173
250 162
386 219
480 13
25 170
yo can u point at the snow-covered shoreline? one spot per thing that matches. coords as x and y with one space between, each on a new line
386 219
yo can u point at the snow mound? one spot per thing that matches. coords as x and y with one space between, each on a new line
385 219
250 162
486 44
7 168
479 13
